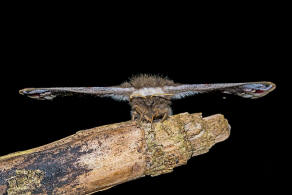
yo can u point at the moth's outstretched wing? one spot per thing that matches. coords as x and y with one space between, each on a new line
247 90
117 93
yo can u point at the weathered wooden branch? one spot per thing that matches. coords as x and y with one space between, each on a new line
102 157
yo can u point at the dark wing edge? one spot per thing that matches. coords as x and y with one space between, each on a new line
251 90
117 93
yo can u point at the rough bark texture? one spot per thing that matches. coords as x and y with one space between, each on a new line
102 157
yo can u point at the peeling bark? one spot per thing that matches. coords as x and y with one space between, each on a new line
102 157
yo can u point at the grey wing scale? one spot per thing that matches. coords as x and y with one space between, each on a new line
247 90
117 93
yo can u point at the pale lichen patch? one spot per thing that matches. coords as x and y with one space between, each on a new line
24 181
167 146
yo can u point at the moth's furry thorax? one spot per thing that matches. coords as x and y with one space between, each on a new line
145 80
150 108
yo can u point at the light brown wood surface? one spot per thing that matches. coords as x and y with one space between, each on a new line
99 158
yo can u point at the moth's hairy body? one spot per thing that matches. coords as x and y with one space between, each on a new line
150 108
150 96
149 102
147 81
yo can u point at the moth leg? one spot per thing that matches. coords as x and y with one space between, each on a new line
153 116
139 112
137 116
165 116
137 109
156 114
165 113
141 117
148 118
134 115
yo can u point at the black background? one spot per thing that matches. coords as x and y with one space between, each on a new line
48 48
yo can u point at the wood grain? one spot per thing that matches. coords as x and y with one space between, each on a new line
99 158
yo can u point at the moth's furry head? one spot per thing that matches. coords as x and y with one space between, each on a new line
150 108
146 80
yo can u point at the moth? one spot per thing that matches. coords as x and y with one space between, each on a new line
150 96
